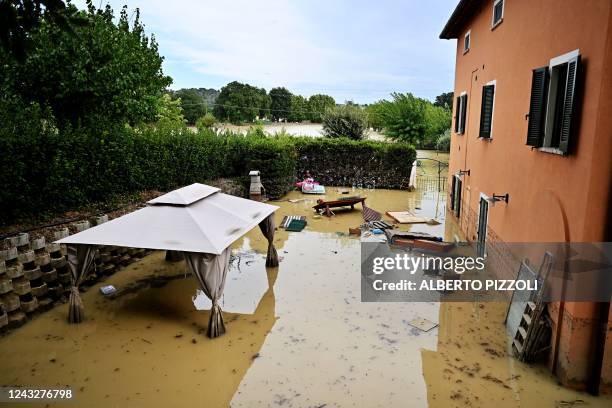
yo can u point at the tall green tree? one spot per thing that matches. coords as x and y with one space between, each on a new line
413 120
19 18
299 109
280 103
192 103
345 121
169 111
444 100
317 105
238 102
104 71
404 117
374 112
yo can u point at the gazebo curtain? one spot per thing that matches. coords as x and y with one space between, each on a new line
210 272
267 228
81 260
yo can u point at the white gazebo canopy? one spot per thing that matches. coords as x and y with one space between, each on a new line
197 220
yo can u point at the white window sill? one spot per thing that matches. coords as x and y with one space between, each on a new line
488 139
494 26
551 150
466 51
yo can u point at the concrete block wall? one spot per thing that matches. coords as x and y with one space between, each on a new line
35 276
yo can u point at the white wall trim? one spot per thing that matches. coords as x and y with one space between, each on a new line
562 59
493 23
468 34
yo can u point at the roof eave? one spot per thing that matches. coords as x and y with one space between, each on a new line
454 23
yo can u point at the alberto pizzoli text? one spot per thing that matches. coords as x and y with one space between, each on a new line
459 265
456 285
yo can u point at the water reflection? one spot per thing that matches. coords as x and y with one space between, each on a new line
297 335
329 349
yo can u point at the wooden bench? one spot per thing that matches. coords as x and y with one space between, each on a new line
346 202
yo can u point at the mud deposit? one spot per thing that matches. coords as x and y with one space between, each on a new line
297 335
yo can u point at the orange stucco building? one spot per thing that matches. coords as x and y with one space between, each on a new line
532 120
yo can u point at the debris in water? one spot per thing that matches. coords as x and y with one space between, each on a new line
456 395
493 352
194 341
573 403
108 290
355 231
422 324
489 377
178 336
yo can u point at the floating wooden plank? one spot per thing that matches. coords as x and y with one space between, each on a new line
406 217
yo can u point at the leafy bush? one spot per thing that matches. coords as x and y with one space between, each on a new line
410 119
206 122
345 121
444 141
169 110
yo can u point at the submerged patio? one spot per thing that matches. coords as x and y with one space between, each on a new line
297 335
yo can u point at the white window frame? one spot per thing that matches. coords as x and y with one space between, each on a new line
551 97
461 108
493 23
458 179
486 198
490 138
467 36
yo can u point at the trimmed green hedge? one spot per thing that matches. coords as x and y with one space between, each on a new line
43 169
344 162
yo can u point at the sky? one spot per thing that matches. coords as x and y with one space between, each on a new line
349 49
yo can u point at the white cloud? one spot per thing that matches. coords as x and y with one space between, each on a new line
286 43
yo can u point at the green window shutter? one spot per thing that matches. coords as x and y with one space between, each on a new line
457 109
463 112
537 107
486 111
457 204
568 104
452 192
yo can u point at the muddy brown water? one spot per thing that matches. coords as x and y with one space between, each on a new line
297 335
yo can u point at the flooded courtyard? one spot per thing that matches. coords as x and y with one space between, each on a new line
297 335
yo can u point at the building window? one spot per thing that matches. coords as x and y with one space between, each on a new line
455 198
551 106
486 111
460 113
498 12
466 41
481 233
